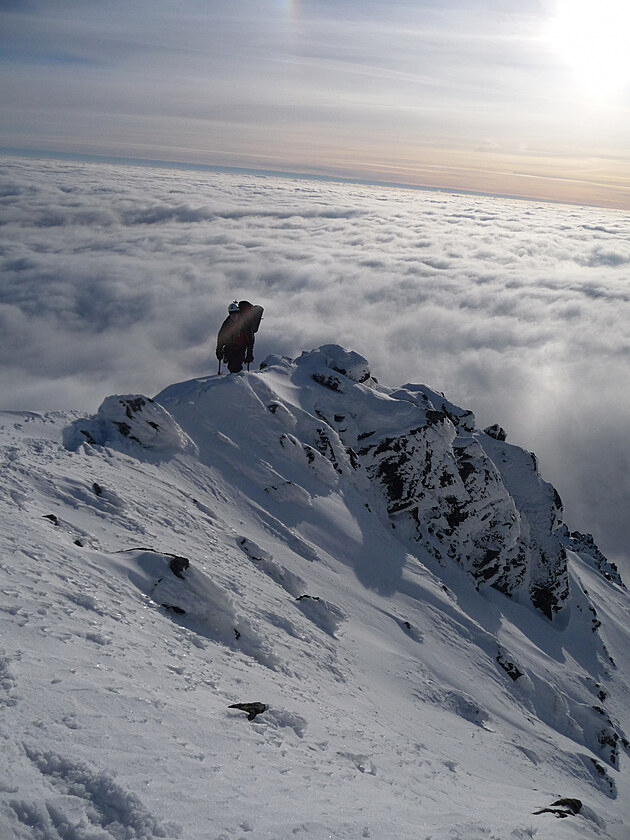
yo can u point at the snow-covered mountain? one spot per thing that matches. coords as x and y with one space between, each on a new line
296 603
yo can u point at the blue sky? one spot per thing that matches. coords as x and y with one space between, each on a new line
527 98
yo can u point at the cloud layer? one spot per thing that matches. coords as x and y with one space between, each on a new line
116 279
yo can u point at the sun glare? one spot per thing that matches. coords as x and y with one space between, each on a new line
591 36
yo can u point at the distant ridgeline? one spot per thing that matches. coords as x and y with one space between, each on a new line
449 492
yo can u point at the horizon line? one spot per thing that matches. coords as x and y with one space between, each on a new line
85 157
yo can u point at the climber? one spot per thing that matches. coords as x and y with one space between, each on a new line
235 342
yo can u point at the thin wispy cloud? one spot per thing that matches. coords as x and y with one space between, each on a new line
527 98
116 279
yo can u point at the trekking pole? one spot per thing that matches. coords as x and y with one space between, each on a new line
219 372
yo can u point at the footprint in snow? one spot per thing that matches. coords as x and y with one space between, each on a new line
290 582
325 615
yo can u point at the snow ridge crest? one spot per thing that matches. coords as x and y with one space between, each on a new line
450 492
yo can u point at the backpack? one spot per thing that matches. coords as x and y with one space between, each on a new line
253 314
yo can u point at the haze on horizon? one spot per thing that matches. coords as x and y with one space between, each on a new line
527 98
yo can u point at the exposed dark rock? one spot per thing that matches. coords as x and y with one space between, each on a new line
544 599
350 374
609 785
252 709
509 667
52 518
97 489
134 405
331 382
584 545
124 419
178 565
450 497
436 417
465 466
325 447
174 609
497 432
562 808
355 462
123 428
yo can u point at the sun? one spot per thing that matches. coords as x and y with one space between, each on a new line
592 37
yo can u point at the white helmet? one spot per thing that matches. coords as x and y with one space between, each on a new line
233 307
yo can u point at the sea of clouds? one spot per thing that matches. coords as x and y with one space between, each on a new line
115 279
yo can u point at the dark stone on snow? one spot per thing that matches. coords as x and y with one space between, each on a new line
465 467
544 599
331 382
343 372
97 489
310 597
497 432
562 808
135 405
52 518
585 544
310 454
355 463
325 447
252 709
173 608
434 418
178 565
509 667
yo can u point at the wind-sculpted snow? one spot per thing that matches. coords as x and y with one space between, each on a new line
130 419
452 493
233 609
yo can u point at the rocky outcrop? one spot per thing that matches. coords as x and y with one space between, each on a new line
124 421
449 491
456 493
497 432
584 545
252 709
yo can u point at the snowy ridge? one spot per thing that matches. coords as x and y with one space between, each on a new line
392 589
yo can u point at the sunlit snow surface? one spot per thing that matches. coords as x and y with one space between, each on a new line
389 714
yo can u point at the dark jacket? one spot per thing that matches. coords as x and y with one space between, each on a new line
236 334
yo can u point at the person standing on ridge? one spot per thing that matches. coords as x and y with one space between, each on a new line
235 341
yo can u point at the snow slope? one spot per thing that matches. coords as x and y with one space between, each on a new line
438 657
